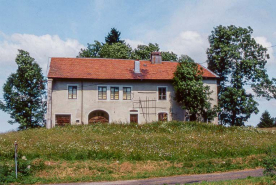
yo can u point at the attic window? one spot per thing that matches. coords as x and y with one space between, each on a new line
72 92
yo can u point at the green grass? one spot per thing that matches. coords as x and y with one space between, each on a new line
120 151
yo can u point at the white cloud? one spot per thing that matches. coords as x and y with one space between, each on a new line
39 47
263 41
190 43
134 43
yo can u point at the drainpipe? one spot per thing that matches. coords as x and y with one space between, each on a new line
49 104
82 102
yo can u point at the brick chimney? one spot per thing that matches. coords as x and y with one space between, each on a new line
156 58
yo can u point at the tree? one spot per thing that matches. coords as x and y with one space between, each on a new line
143 52
24 92
266 120
116 50
190 91
239 61
113 37
92 50
169 56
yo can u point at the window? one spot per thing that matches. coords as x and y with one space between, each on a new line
72 92
162 116
102 93
162 93
114 93
127 93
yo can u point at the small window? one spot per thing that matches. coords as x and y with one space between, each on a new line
114 93
162 116
72 92
127 93
162 93
102 93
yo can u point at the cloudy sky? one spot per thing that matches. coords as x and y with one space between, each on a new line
61 28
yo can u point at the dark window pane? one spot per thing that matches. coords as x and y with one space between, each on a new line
102 93
72 92
162 93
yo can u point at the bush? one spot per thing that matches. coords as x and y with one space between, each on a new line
269 163
24 169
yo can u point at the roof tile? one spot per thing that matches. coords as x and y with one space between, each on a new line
115 69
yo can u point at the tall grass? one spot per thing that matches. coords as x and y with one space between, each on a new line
171 141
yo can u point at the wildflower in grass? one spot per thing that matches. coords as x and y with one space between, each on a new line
24 158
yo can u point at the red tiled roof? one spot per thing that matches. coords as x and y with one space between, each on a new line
115 69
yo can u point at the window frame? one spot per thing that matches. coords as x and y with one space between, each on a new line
166 93
114 92
68 93
102 91
126 92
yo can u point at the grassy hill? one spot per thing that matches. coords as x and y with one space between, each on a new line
111 151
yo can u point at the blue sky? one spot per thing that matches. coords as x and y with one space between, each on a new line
60 28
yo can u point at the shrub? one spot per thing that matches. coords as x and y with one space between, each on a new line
269 163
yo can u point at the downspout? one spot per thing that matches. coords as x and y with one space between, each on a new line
82 102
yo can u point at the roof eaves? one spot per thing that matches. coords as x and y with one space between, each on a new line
216 76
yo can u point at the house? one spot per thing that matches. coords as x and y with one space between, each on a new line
88 90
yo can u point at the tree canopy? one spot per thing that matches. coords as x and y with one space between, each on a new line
266 121
239 61
116 48
113 36
190 91
24 91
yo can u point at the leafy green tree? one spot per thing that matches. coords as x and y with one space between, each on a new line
190 91
169 56
24 92
113 37
92 50
239 61
143 52
266 121
116 50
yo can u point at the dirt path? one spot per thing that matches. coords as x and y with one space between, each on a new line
182 179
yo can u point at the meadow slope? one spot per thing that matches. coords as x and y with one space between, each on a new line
127 151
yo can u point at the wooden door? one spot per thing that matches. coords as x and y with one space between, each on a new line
133 118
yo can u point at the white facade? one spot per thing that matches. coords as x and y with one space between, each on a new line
144 101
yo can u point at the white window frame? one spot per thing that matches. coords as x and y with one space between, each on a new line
68 91
123 93
98 92
119 94
166 93
133 113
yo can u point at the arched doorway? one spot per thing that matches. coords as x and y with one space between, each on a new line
98 116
